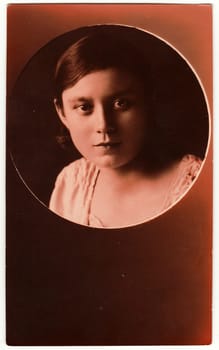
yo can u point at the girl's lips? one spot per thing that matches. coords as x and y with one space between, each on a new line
107 144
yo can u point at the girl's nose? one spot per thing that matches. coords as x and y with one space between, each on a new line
104 121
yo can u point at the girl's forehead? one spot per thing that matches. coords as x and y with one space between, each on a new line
102 82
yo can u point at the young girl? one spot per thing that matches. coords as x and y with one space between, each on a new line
104 96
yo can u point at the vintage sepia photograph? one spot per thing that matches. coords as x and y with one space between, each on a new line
130 105
109 174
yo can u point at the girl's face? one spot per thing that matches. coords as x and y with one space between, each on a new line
105 113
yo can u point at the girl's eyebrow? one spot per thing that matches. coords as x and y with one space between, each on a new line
79 99
128 91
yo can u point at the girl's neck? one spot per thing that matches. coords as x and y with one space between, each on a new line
128 175
121 174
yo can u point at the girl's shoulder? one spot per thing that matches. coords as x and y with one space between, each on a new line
73 190
186 172
77 172
190 166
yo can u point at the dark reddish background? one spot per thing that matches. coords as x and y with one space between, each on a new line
71 285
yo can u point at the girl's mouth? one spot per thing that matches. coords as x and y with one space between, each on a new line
107 145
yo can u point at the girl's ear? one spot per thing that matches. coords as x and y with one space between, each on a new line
60 112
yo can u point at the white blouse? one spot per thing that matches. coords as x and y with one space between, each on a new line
74 188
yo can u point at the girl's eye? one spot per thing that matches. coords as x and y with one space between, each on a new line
121 104
84 108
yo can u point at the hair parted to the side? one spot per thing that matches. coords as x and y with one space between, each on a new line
99 50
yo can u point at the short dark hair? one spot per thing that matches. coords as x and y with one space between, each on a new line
99 50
